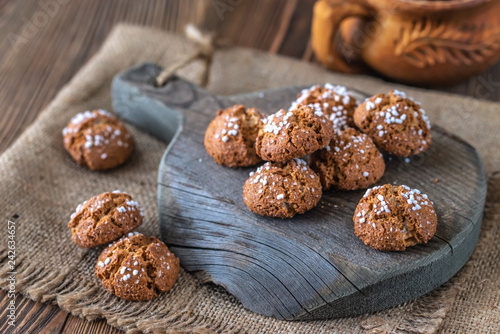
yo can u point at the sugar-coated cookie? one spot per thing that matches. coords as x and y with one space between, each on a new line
137 268
292 134
104 218
282 189
230 136
98 140
392 218
396 123
351 161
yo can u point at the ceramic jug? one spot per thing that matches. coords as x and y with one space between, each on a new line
419 42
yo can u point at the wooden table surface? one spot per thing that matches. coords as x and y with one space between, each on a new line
44 43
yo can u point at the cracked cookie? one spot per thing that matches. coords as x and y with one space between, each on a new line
230 136
282 189
395 123
97 140
333 101
392 218
137 268
293 134
104 218
351 161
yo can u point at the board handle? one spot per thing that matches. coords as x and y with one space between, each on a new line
157 110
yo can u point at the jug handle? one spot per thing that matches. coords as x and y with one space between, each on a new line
328 16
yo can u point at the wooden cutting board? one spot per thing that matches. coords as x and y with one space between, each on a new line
311 266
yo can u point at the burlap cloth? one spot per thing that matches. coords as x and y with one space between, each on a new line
42 185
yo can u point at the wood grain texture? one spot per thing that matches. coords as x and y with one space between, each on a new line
51 318
311 266
32 72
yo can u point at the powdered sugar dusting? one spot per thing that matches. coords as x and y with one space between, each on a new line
268 187
83 116
415 198
133 205
273 125
404 111
92 139
330 100
231 128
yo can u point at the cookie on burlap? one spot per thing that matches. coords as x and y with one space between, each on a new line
334 101
282 189
230 136
396 124
351 161
98 140
293 134
137 268
392 218
104 218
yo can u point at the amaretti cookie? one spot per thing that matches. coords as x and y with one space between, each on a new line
137 268
98 140
396 124
104 218
392 218
282 189
351 161
230 136
334 101
292 134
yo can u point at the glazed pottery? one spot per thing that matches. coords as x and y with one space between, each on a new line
414 41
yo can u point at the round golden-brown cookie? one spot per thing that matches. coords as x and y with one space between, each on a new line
293 134
396 124
351 161
282 189
137 268
230 136
97 140
392 218
334 101
104 218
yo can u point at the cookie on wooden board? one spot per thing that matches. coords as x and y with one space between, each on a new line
392 218
98 140
137 268
334 101
282 189
351 161
230 136
396 123
104 218
292 134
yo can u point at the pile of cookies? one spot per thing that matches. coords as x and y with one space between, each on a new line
341 140
133 267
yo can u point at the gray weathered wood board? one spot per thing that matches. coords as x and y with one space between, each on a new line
311 266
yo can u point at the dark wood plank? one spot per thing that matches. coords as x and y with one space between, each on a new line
311 266
78 325
36 317
32 317
32 73
296 40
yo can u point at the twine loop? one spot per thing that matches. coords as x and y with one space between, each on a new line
206 42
